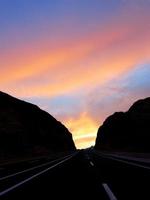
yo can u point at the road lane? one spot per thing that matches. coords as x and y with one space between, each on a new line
32 168
130 161
72 179
85 175
34 176
127 181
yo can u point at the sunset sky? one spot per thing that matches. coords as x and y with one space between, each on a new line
80 60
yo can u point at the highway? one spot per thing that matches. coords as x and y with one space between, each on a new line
83 174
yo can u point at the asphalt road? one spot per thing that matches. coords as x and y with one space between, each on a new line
84 174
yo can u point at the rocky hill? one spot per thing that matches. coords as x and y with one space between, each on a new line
25 129
127 131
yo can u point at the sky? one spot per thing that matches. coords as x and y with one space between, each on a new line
80 60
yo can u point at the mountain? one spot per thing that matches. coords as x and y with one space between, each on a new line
127 131
25 129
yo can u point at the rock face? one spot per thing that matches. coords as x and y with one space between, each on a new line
26 129
127 131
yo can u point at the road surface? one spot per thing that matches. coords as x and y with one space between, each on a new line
84 174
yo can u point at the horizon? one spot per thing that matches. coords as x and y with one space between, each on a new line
79 61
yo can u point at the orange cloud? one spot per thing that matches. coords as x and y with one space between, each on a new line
30 61
76 66
85 141
83 128
85 62
97 71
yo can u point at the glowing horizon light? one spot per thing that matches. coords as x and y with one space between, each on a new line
83 129
85 141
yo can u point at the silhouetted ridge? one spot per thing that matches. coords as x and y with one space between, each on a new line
26 129
127 131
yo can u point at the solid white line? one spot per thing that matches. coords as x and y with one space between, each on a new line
30 169
130 163
123 161
109 192
34 176
129 158
91 163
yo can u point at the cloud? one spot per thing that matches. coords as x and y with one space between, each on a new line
118 94
91 68
84 142
83 128
92 59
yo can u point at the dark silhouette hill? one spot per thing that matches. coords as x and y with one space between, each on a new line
26 129
127 131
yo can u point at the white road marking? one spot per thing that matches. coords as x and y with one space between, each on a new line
32 177
130 163
109 192
140 160
30 169
91 163
124 161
